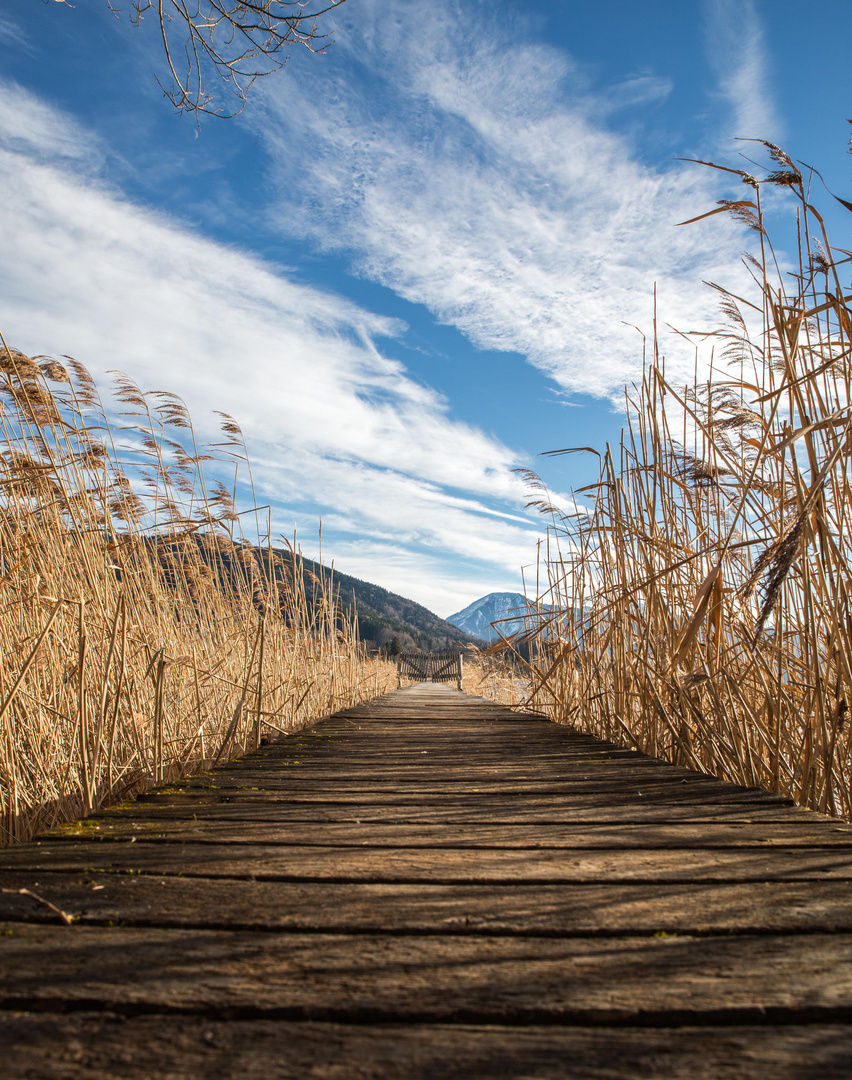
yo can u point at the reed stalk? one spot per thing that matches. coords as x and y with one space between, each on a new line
137 621
700 599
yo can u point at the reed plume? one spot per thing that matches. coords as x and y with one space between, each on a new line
701 605
142 637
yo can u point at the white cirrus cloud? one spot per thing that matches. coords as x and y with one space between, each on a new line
334 427
31 125
12 34
494 193
736 50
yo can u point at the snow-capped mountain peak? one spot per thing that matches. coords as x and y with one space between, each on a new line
476 618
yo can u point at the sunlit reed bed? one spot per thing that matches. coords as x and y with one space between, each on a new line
703 601
141 637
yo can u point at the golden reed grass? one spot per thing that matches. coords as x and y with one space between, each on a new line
496 678
702 601
141 638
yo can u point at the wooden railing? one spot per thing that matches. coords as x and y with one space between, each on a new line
441 667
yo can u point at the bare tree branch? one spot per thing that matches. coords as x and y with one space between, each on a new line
237 41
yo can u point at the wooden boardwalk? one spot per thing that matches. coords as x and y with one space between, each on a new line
433 886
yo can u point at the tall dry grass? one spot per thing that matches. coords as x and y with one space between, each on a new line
141 637
495 677
703 601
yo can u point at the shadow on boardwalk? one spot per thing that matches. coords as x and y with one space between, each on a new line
433 886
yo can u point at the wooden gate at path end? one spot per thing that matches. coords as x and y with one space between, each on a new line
440 667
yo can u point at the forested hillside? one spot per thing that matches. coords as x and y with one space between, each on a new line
388 620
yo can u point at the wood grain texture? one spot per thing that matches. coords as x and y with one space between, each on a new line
433 886
449 865
687 834
664 981
103 1046
320 906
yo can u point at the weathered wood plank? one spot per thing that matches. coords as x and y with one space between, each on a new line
374 978
109 1047
647 784
609 796
713 833
540 909
491 810
430 781
421 770
447 865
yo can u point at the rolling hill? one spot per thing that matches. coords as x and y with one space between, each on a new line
388 620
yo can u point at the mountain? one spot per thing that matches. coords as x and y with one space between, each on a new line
388 620
385 619
476 618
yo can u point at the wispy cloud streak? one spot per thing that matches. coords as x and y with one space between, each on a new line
12 34
494 193
737 52
334 426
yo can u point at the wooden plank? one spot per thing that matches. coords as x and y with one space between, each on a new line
457 979
575 791
428 777
426 771
603 796
454 814
411 763
798 833
447 865
109 1047
413 759
368 744
551 910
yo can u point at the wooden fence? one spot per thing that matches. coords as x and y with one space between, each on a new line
441 667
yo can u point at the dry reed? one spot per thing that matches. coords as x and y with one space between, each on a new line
702 601
495 677
142 638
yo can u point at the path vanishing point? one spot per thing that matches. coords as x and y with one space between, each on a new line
432 886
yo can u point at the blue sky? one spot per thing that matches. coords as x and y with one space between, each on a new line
415 262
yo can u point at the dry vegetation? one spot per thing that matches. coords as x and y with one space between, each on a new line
141 637
495 677
704 598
